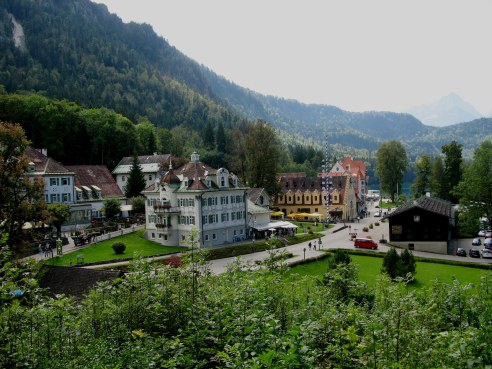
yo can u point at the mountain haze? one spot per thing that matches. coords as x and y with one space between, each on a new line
77 50
447 110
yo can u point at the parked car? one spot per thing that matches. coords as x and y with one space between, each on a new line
460 252
488 234
474 253
486 254
481 233
487 243
377 213
477 242
365 243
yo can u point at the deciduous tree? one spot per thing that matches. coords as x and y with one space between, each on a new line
59 214
112 207
21 196
452 169
262 156
392 163
475 190
423 171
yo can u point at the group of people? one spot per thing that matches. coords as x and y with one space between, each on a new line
46 249
313 244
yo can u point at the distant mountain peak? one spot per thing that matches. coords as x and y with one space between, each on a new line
450 109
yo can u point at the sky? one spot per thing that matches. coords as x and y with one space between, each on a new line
359 55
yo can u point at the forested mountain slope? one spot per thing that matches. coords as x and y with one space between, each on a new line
77 50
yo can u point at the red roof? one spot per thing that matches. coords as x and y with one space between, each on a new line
44 164
96 175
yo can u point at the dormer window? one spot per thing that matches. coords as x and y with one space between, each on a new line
32 167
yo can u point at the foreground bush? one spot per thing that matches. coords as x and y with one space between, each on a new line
119 247
185 317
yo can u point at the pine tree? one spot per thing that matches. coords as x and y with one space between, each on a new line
136 180
221 138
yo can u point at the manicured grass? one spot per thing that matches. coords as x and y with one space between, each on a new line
427 273
102 251
306 225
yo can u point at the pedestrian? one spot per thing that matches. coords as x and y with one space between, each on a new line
45 248
358 219
309 245
314 247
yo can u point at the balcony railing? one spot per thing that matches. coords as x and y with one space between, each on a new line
163 226
165 209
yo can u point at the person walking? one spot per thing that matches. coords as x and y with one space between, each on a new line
309 245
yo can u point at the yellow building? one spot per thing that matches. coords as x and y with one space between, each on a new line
305 195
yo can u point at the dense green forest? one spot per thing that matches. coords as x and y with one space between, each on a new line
78 51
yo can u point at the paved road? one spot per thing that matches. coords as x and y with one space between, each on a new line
330 240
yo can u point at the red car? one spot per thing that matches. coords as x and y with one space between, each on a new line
365 243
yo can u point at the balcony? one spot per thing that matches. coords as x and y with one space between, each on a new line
165 209
163 227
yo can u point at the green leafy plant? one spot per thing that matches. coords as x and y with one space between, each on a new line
119 247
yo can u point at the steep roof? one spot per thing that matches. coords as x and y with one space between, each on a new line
255 193
432 204
44 164
148 163
73 281
170 177
96 175
195 170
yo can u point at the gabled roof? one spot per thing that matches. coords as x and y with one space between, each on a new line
197 185
432 204
98 176
195 170
170 177
148 163
44 164
255 193
73 281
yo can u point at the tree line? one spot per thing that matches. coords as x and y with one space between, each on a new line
447 176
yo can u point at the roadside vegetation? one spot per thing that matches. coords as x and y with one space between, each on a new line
186 317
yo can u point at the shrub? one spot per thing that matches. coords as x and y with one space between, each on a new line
376 224
119 247
365 229
371 226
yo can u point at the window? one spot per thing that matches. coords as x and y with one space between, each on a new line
222 181
165 237
54 181
123 178
206 237
150 177
214 236
192 219
65 181
66 197
153 235
233 216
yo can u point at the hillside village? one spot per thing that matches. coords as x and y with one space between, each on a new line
195 195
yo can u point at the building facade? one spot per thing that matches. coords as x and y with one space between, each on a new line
304 194
94 184
152 167
59 186
196 198
423 224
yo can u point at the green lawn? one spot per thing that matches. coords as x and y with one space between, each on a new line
102 251
370 267
306 225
